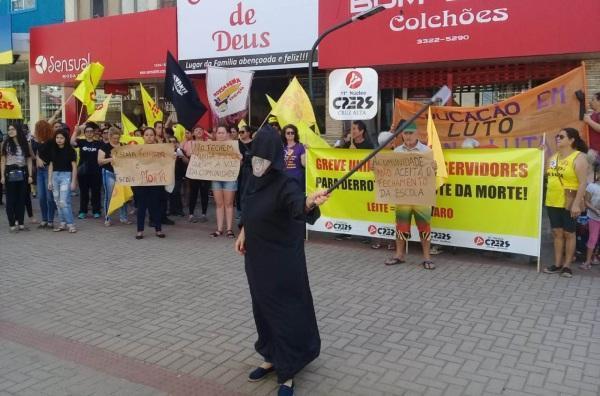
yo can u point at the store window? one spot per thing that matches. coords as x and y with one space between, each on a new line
50 100
98 8
22 5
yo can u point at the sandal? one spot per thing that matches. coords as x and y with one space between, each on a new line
60 228
216 234
23 228
139 236
160 234
230 234
72 229
107 223
428 265
394 261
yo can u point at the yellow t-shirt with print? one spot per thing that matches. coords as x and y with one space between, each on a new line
561 175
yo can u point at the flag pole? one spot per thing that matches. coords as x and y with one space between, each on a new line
440 97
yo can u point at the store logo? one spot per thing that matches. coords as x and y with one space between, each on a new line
492 242
354 80
479 241
41 64
53 64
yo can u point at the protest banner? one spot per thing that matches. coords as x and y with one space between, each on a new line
491 200
517 122
404 178
219 161
10 108
144 165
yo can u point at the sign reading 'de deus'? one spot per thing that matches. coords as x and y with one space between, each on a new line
144 165
405 178
353 94
218 161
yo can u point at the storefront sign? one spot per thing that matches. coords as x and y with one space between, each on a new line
253 34
519 121
424 31
59 52
353 94
491 201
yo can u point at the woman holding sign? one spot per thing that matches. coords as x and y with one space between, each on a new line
274 209
565 192
148 197
224 194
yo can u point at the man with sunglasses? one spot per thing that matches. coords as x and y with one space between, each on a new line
405 213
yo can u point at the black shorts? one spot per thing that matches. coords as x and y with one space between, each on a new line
561 218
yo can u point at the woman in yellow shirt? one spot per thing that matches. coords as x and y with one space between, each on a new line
567 172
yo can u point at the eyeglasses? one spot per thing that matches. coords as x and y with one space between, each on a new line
290 133
560 137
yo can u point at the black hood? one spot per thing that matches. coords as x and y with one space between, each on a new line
267 144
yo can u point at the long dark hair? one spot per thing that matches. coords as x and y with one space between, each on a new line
10 147
578 143
293 128
67 146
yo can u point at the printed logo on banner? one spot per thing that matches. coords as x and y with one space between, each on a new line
382 231
440 236
492 242
227 92
353 94
338 226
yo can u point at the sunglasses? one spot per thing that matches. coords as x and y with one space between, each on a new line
290 133
560 137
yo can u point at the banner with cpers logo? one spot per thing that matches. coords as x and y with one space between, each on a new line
491 201
353 94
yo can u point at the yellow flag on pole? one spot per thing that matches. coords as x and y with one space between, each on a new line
101 110
272 101
153 113
120 195
9 104
86 90
309 138
128 126
433 141
242 124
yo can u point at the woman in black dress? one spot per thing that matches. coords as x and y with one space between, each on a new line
274 210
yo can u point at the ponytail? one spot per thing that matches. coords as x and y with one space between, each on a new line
578 143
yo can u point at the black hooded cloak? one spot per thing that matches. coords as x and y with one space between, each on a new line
273 216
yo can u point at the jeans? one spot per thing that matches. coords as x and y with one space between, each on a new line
61 189
47 205
89 182
148 197
108 181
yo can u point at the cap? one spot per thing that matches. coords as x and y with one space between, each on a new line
412 127
273 120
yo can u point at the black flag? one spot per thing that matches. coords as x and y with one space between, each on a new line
181 92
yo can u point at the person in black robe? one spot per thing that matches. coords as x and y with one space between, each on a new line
274 210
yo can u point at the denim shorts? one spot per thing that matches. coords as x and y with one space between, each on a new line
224 185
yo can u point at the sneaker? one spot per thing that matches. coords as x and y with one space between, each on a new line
192 219
553 269
82 216
260 374
285 390
96 215
566 273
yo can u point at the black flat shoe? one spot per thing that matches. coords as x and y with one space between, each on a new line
138 237
160 235
259 374
285 390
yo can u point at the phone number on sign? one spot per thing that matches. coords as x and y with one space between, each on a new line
443 39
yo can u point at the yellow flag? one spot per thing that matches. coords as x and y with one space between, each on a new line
272 101
153 113
101 109
309 138
294 105
9 104
6 57
179 132
242 124
126 139
127 126
433 141
86 90
120 195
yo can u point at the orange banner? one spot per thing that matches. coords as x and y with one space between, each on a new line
519 121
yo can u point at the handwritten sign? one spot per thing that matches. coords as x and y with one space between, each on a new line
405 178
219 161
144 165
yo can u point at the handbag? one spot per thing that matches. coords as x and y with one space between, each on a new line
15 175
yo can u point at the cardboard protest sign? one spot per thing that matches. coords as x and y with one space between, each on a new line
144 165
405 178
218 161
